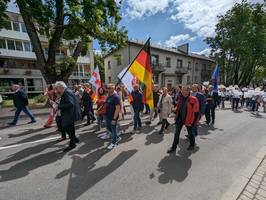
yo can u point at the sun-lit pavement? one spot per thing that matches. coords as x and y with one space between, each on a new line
33 166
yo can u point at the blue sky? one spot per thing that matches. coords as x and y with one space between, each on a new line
172 22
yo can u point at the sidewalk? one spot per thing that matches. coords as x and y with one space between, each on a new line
8 113
251 185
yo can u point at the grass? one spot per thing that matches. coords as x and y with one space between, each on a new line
32 104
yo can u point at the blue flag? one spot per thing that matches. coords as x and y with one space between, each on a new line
215 78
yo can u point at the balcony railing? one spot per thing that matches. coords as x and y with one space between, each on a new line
81 74
158 67
183 70
28 89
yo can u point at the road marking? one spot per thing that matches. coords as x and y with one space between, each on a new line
26 143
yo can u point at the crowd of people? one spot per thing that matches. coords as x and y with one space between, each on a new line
107 107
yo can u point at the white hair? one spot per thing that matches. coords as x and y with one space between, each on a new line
60 84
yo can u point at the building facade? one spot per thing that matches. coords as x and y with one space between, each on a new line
171 66
18 60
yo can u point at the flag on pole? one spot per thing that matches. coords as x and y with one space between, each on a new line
127 79
95 79
142 70
215 78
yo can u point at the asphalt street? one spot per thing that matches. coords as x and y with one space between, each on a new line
34 167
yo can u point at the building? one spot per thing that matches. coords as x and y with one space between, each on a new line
171 66
18 61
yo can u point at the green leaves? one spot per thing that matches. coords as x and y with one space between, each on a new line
240 42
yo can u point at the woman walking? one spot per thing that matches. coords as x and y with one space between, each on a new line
165 108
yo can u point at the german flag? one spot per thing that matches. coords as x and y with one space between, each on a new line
142 70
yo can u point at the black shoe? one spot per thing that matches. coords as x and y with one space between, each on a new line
77 140
11 123
191 147
161 132
159 123
61 139
69 148
167 125
32 122
171 150
148 123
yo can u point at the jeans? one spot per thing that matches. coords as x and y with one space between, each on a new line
26 111
112 128
165 125
210 113
222 101
70 130
100 119
137 121
191 137
59 126
235 103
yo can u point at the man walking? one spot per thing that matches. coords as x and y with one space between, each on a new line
186 114
138 106
113 106
70 112
21 102
210 106
201 99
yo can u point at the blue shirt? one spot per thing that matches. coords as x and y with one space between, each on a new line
111 102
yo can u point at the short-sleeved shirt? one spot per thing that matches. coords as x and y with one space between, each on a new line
111 102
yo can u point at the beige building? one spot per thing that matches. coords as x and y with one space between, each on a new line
171 66
18 60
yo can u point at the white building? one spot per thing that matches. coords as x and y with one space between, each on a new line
18 61
171 66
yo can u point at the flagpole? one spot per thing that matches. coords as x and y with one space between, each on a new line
119 80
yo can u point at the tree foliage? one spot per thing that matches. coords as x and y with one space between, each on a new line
79 22
239 45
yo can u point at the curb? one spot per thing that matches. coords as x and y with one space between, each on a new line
238 186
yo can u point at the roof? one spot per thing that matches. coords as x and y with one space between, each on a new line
164 48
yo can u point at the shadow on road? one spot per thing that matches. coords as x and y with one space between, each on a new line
83 176
175 167
29 131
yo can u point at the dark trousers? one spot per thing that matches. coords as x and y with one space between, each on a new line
59 126
137 120
165 124
89 113
222 101
147 111
112 128
70 130
26 111
235 103
210 113
191 137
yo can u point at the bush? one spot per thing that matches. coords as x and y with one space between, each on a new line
40 99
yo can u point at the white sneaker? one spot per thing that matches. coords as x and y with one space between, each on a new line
111 146
105 137
118 139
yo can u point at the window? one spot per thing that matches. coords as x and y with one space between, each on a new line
19 46
109 64
119 60
155 59
189 65
2 44
188 80
11 44
109 79
196 67
179 63
27 46
23 28
204 67
9 26
196 79
179 80
16 26
168 62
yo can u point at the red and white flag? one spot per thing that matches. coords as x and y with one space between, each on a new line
95 79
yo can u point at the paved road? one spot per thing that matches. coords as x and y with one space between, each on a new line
33 166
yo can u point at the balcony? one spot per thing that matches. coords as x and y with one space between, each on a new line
158 67
181 71
14 72
80 74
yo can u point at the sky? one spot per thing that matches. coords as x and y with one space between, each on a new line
172 22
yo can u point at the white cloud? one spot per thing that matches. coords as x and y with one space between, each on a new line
137 9
205 52
175 39
200 16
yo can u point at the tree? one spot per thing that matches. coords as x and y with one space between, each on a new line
76 21
239 45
